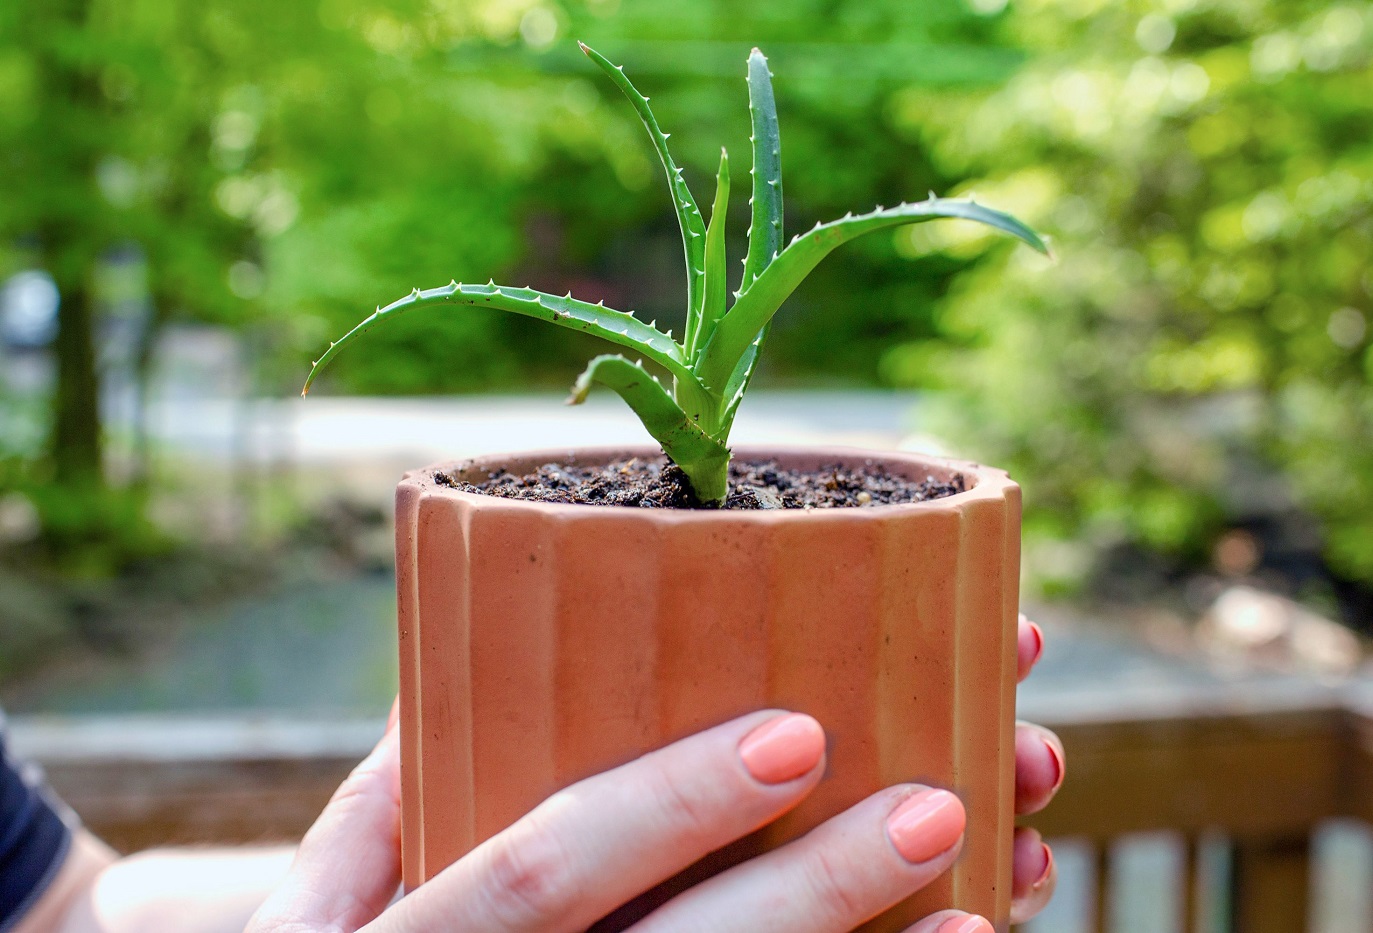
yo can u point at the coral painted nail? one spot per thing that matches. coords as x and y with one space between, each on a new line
926 824
1029 647
783 749
969 924
1043 878
1059 771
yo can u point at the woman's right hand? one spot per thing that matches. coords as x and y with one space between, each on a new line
602 842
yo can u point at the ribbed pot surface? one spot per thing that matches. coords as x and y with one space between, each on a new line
544 643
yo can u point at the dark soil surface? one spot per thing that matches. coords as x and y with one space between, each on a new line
655 483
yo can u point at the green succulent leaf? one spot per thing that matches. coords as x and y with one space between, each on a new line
702 458
739 380
765 227
713 308
740 327
765 231
614 326
688 214
712 367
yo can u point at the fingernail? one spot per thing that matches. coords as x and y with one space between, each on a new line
926 824
1059 770
968 924
1039 643
783 749
1043 878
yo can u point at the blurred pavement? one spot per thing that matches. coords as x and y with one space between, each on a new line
415 431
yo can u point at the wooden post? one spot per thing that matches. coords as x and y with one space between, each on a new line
1191 883
1101 904
1270 880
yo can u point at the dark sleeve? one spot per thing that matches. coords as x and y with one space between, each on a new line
34 838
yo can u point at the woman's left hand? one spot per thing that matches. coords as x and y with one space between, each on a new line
348 865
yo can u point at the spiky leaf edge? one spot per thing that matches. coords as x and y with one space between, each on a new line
613 326
716 288
688 214
754 309
765 230
765 201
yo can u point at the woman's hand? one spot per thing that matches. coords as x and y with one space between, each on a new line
600 843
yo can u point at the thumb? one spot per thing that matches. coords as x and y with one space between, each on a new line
347 868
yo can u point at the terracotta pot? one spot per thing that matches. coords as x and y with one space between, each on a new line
540 644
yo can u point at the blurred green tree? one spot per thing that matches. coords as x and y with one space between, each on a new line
1201 352
558 186
284 165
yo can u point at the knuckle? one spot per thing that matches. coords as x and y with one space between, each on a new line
356 786
362 784
832 888
532 875
685 811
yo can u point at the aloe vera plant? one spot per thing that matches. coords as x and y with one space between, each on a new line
712 364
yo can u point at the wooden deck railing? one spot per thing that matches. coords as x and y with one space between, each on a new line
1262 771
1261 767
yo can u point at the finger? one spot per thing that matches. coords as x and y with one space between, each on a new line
952 921
1034 875
1029 647
347 868
840 874
590 848
1039 767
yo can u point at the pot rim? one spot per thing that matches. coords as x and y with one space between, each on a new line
986 483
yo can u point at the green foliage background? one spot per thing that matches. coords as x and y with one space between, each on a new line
1205 167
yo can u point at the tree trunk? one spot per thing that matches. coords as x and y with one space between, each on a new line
76 441
71 236
144 357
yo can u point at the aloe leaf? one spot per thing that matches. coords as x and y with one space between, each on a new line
713 307
765 230
739 328
688 215
765 227
738 384
704 460
614 326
